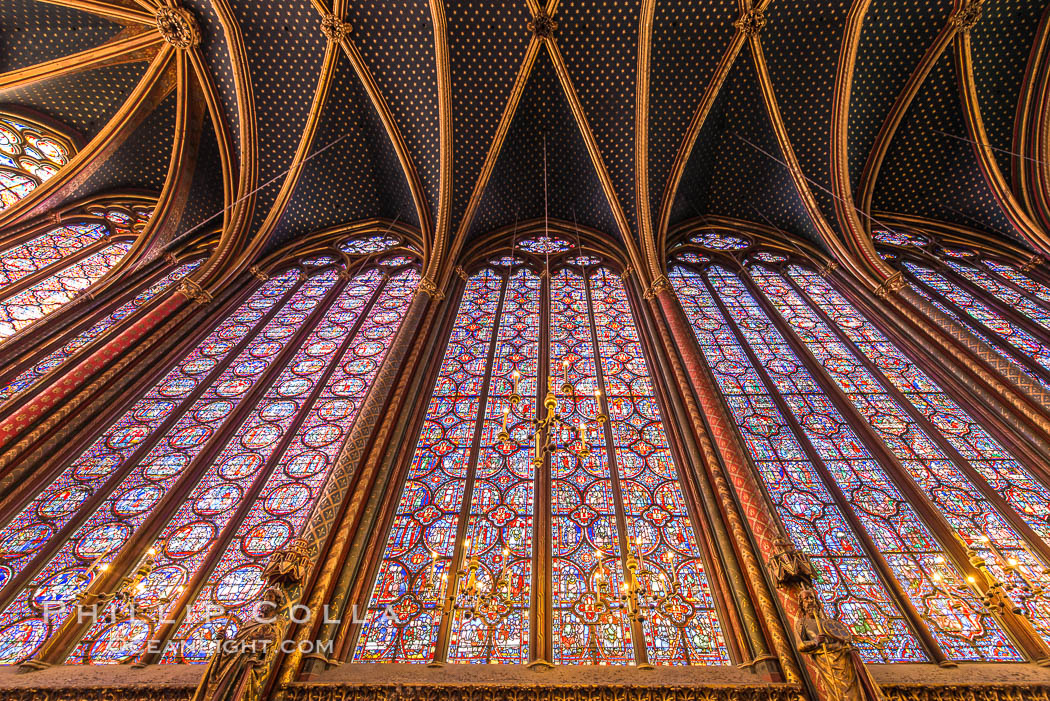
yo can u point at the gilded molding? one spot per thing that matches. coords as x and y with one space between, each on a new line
1031 263
194 291
178 27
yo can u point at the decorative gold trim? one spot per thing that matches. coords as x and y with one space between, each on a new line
542 25
109 10
966 17
751 21
654 262
540 692
828 268
461 273
1032 262
178 27
334 28
257 273
890 284
127 46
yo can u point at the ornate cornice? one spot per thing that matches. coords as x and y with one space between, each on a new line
660 284
178 27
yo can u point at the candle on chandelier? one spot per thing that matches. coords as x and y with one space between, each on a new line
565 371
517 376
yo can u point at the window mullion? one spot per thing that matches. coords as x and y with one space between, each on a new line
51 268
448 612
871 551
540 606
641 654
981 265
993 301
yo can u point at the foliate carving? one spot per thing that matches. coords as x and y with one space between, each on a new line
627 273
966 17
542 25
170 258
195 292
1031 263
461 273
829 643
891 284
660 284
427 287
257 272
751 22
54 218
790 567
178 27
334 28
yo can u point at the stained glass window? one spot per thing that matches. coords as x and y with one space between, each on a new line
27 378
29 155
218 465
847 433
476 506
47 270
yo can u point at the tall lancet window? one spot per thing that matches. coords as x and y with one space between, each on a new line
994 295
586 555
875 471
216 467
30 154
45 268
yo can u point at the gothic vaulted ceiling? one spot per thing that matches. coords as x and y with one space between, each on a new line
650 112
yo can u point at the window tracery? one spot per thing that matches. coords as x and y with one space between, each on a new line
851 437
216 467
30 154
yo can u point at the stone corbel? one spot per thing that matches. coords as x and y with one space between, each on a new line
891 284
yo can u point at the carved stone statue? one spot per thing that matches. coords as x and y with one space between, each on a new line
830 644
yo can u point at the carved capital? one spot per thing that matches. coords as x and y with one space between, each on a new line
966 17
258 273
178 27
461 273
751 22
543 25
1031 263
660 284
891 284
195 292
427 287
626 273
788 566
334 28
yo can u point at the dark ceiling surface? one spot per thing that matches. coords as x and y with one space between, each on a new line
734 168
